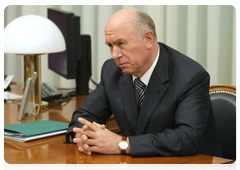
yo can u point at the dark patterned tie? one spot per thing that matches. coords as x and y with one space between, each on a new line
140 91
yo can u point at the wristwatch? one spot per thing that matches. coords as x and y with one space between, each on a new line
123 145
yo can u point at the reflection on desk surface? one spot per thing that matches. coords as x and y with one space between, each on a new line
54 151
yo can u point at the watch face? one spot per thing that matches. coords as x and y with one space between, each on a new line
123 145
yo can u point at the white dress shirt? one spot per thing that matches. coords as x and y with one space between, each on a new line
146 77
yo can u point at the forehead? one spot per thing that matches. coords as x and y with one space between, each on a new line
123 31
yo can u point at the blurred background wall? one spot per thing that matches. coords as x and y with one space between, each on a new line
206 34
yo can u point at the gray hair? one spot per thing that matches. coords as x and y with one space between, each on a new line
143 23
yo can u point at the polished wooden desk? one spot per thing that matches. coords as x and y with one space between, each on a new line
52 150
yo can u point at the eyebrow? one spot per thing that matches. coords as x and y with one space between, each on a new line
107 43
115 42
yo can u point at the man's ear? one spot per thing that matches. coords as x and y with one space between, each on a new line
149 39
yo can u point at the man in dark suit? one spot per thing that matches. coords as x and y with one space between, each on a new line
158 96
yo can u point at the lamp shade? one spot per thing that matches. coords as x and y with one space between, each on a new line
33 34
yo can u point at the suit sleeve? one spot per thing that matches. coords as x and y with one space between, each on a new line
95 108
190 122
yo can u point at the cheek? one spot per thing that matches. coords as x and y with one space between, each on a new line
138 57
135 54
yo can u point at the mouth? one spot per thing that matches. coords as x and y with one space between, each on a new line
122 64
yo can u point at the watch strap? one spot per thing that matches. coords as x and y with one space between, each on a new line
124 138
123 151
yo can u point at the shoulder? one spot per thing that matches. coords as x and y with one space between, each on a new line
110 71
178 60
109 66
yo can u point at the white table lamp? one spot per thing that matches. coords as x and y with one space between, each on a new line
31 36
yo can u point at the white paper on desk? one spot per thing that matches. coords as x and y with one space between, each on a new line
9 96
25 139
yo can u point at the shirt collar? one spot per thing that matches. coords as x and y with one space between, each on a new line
146 77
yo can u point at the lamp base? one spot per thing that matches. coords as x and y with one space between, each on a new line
32 63
43 107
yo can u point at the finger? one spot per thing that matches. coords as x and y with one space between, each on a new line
84 138
89 153
91 142
85 127
93 149
79 143
85 147
80 138
78 135
89 124
100 126
81 149
77 130
77 140
88 134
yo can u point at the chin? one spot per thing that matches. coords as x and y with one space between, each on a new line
126 71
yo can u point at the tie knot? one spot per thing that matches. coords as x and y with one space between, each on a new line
139 84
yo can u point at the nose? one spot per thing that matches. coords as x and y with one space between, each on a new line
116 53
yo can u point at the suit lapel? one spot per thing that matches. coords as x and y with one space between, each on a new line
155 90
128 97
153 97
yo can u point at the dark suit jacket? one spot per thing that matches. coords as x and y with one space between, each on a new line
176 116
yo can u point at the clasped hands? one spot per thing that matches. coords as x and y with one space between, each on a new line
93 137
